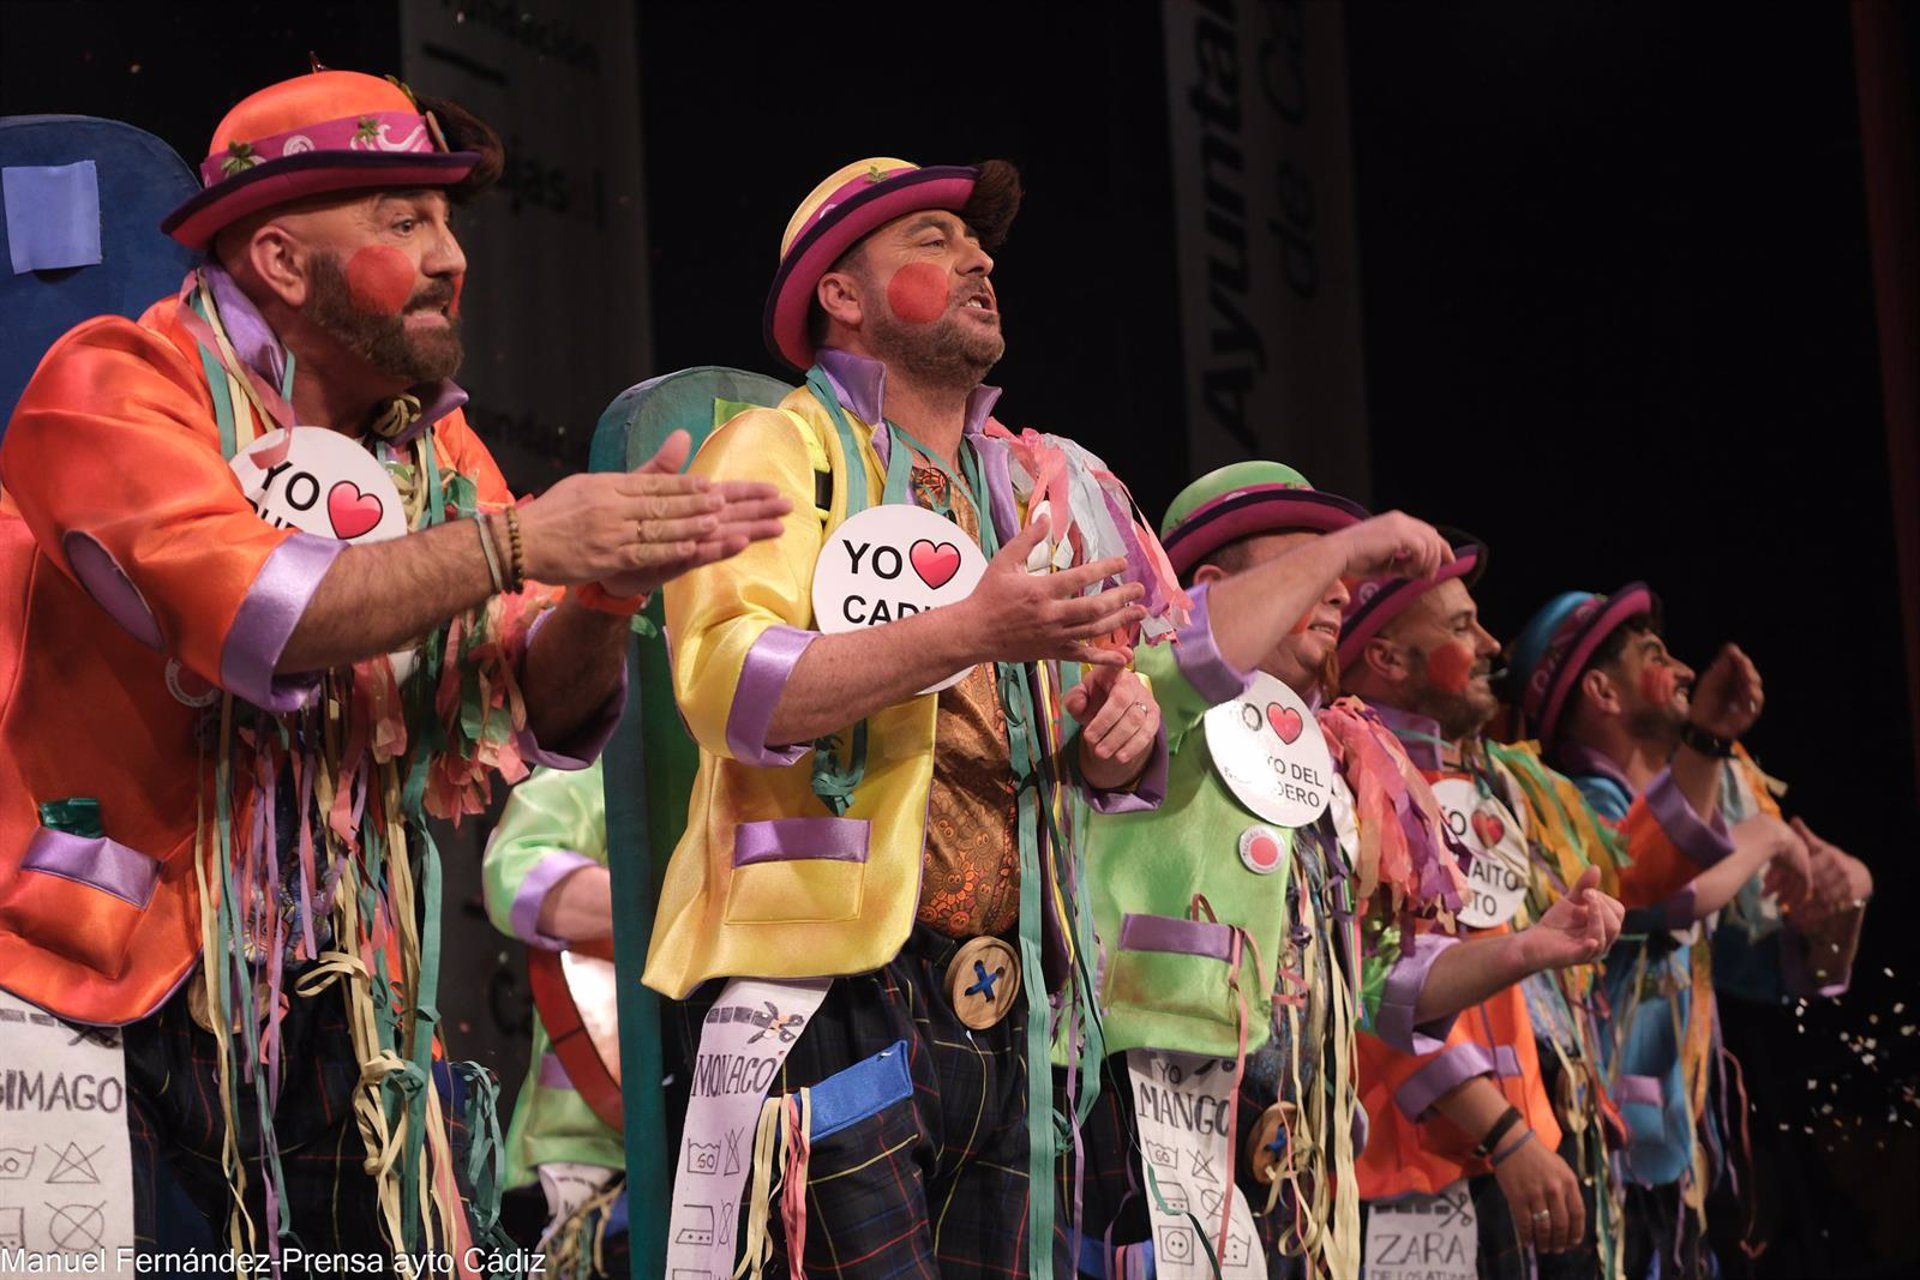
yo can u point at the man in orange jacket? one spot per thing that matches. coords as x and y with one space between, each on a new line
1512 1106
266 607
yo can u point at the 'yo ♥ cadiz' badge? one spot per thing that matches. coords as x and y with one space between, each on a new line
320 482
891 562
1268 749
1499 873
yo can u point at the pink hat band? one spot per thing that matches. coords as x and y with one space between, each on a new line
378 132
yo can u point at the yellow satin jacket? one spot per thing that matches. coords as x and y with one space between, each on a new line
767 881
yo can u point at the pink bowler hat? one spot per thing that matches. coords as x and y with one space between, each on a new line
836 215
1378 601
313 135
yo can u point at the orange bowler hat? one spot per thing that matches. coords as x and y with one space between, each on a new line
314 134
852 203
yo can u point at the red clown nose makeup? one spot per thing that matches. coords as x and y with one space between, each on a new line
380 279
1657 684
1450 668
918 292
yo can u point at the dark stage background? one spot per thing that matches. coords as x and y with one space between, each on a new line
1618 305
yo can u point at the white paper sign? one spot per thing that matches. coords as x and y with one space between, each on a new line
746 1037
1269 751
1423 1238
1498 879
891 562
320 482
66 1175
1181 1106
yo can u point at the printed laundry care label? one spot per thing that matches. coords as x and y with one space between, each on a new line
744 1041
66 1173
1183 1108
1423 1237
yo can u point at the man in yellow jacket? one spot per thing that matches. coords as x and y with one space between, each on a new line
884 878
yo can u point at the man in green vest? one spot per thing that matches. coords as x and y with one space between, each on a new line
1231 918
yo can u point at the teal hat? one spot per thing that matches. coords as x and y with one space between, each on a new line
1557 643
1242 499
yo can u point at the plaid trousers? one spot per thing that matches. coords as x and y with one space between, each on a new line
176 1130
934 1186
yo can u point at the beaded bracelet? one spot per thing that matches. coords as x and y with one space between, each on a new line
517 560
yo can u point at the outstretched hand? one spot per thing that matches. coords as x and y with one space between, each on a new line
1577 929
632 532
1020 616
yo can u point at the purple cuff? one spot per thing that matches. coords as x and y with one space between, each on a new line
524 915
1405 981
1147 791
584 745
1198 657
1678 910
1444 1074
1705 843
1796 971
763 676
273 607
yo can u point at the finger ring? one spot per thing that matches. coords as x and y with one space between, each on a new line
1542 1215
1139 708
640 530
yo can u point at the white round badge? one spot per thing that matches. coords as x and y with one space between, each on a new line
1500 872
891 562
1268 749
320 482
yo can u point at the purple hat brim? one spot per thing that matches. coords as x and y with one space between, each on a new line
784 322
1259 509
310 173
1629 601
1365 622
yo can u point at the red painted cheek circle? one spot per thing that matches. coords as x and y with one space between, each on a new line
1657 685
380 279
918 292
1450 668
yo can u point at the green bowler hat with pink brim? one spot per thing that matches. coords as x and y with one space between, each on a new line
1243 499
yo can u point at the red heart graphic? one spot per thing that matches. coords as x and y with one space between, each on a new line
351 511
1263 853
936 565
1285 722
1489 829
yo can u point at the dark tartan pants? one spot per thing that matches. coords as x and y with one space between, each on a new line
932 1187
176 1131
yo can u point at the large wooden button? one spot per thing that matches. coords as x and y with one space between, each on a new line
983 980
1267 1152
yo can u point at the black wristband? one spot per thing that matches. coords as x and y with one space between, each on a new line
1707 744
1500 1129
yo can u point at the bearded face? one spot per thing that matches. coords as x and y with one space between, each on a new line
1453 686
958 342
418 343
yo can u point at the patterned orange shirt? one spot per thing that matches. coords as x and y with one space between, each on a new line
970 877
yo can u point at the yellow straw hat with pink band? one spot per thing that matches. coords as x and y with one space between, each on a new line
329 131
851 204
